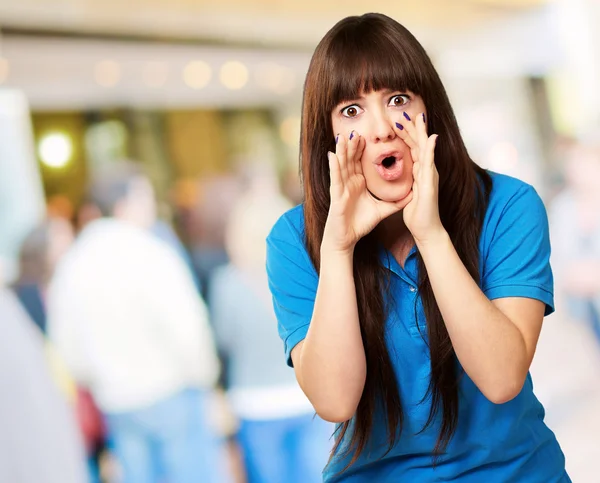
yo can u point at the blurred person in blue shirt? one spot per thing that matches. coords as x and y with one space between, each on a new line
125 315
411 285
279 437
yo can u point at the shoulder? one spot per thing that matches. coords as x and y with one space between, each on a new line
286 241
287 253
289 227
512 198
506 188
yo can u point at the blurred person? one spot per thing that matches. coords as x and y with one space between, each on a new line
60 206
164 231
89 212
206 226
575 222
39 254
39 441
124 313
279 437
86 213
411 285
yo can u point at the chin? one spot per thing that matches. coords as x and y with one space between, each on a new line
391 192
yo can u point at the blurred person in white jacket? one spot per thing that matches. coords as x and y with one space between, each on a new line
125 314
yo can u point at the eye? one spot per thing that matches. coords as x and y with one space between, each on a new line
351 111
399 101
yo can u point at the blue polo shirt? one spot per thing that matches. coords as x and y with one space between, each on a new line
493 442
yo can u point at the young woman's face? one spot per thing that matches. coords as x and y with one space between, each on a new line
373 115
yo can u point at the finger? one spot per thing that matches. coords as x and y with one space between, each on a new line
415 191
358 157
353 143
336 184
409 125
389 208
421 130
405 201
403 130
429 158
415 170
415 154
341 152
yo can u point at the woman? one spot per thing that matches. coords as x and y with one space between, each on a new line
411 285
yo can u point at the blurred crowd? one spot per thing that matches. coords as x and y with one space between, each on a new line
137 356
144 349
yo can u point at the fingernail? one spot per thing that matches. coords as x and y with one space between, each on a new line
351 135
336 138
424 117
399 126
406 116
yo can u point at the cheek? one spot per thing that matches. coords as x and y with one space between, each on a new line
335 127
346 126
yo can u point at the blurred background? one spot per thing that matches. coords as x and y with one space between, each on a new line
187 113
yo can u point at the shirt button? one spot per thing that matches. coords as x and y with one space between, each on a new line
412 289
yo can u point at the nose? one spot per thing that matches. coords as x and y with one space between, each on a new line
381 128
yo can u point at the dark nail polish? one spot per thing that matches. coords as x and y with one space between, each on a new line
399 126
406 116
424 117
336 138
351 135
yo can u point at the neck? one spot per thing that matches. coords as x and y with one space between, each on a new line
393 233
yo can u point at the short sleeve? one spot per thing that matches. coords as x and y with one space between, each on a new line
517 256
293 283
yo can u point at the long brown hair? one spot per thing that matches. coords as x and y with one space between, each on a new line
366 53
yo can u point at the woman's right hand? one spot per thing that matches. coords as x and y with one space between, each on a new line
354 211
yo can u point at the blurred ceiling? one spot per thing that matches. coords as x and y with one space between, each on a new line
78 54
265 22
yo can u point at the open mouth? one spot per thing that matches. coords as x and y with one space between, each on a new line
390 168
389 162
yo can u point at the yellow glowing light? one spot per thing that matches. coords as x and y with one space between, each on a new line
55 150
4 70
234 75
107 73
197 74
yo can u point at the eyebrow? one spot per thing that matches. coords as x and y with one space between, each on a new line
387 90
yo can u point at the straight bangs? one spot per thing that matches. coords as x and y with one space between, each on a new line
361 64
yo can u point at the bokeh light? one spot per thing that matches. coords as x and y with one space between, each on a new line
234 75
55 150
107 73
197 74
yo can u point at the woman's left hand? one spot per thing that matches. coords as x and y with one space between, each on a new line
421 215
